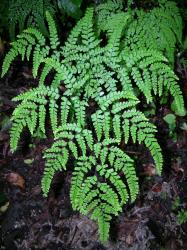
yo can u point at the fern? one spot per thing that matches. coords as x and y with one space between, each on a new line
125 121
142 64
104 156
35 103
88 194
159 29
151 74
33 42
25 13
91 61
106 10
92 102
31 112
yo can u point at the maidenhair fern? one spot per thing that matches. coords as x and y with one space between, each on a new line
93 104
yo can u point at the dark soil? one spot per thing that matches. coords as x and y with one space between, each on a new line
30 221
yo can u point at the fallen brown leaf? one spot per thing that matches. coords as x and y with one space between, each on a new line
157 188
15 179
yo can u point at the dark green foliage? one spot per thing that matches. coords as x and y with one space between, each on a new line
107 75
17 15
25 13
71 7
3 15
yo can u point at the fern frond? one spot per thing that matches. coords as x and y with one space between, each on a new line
32 41
87 193
159 29
32 112
54 40
23 14
80 111
150 72
23 46
106 10
124 121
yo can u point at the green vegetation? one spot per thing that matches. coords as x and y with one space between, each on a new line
181 213
110 57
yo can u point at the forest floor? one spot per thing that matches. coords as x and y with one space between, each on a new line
30 221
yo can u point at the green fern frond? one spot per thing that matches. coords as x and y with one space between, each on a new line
56 160
150 72
125 121
70 138
159 29
23 46
115 28
24 13
32 112
32 41
80 111
54 40
106 10
87 199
